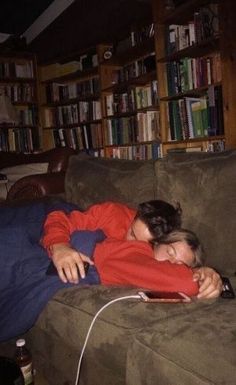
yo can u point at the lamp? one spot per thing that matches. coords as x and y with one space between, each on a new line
8 113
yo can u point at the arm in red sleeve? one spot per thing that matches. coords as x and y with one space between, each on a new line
133 263
113 218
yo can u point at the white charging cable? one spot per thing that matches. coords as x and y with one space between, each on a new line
137 296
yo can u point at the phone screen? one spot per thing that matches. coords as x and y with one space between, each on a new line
157 296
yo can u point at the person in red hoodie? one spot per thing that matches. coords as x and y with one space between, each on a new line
121 225
137 263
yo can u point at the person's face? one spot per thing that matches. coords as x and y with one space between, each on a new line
177 252
138 231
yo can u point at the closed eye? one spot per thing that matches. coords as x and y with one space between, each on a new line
171 251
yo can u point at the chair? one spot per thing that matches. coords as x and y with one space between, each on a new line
49 180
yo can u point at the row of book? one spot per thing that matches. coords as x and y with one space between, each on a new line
14 69
84 137
141 34
72 113
57 92
90 110
148 126
28 116
135 69
192 73
142 127
88 60
215 145
133 99
146 96
203 26
22 139
20 93
192 117
136 37
145 151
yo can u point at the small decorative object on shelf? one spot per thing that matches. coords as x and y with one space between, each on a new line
107 53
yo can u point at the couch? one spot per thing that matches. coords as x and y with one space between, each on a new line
33 175
134 343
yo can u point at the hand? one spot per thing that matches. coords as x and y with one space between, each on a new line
210 284
66 260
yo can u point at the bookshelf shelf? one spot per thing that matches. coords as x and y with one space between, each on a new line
65 102
92 72
183 12
139 80
194 140
200 91
129 55
196 50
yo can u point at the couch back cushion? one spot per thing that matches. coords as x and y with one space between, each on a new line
92 180
205 186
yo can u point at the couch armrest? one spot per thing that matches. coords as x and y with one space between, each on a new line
37 186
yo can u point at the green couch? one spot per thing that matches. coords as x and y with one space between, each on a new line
133 343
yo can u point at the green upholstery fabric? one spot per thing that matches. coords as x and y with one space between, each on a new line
205 186
133 343
94 180
115 332
195 348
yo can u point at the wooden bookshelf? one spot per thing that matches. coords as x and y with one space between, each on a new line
136 94
127 79
70 107
18 81
212 83
130 100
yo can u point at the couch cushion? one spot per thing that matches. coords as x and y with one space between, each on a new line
91 180
66 320
197 348
205 186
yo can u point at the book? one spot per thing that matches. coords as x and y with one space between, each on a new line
184 149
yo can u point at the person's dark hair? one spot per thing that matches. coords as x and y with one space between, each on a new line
159 216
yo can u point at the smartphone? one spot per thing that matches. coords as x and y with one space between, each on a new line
228 291
158 296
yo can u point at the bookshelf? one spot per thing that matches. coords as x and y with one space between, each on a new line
18 83
70 108
194 50
130 98
109 108
168 85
